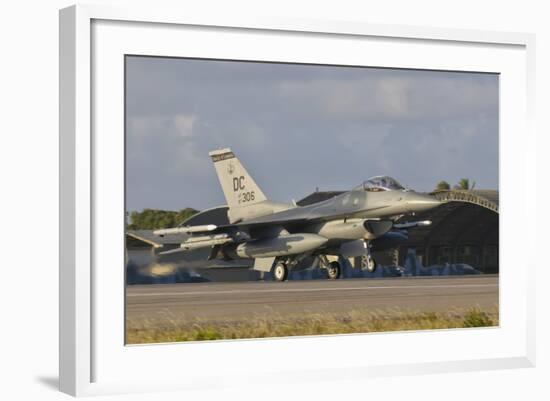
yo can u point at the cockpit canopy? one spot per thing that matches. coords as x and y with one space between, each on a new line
381 183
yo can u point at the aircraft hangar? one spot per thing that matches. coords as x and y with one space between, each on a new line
465 229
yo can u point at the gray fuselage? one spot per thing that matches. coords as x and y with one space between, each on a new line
354 215
352 204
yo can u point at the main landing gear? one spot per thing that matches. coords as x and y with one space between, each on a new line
368 263
334 270
280 271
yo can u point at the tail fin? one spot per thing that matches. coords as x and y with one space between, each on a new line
238 186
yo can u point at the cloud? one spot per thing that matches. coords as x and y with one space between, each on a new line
395 95
184 124
377 99
296 127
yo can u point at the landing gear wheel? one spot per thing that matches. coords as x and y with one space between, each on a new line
371 264
333 270
280 272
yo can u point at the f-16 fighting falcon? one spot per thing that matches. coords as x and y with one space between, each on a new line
277 236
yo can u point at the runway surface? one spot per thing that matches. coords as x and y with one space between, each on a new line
232 301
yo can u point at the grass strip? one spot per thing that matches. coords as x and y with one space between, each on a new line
172 328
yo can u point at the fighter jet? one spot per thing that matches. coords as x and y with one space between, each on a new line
277 236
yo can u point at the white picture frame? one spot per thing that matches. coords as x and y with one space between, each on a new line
93 360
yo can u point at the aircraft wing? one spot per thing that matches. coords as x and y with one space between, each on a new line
212 229
167 235
295 217
279 222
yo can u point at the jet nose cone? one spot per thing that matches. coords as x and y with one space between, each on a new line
421 202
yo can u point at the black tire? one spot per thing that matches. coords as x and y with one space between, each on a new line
280 272
333 270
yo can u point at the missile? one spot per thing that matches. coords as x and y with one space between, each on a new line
412 224
203 241
185 230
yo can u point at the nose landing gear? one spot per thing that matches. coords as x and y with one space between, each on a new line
368 263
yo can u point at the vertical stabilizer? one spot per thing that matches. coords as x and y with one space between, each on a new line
238 186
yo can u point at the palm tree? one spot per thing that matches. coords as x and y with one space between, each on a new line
463 183
442 186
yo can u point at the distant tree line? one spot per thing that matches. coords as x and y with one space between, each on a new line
463 183
152 219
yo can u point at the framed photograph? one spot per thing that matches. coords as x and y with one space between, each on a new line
259 197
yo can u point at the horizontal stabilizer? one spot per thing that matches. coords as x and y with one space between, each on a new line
172 251
149 238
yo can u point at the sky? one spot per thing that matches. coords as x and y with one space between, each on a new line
297 127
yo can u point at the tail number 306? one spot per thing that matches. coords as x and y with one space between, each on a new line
246 197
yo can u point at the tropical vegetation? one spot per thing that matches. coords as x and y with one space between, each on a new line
152 219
